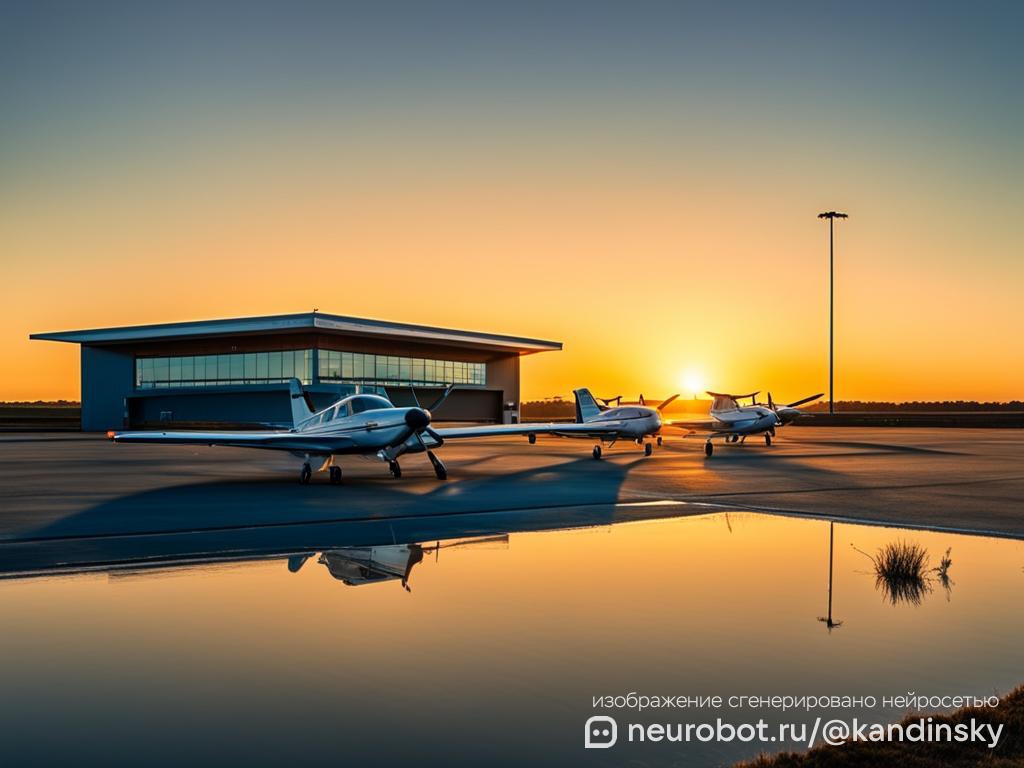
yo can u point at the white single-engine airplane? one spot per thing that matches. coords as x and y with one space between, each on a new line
734 422
370 425
607 424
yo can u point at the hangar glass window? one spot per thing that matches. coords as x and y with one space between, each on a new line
384 370
221 370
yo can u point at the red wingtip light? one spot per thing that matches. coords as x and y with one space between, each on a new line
110 434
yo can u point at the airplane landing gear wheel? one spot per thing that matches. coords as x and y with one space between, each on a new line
659 441
597 452
532 439
648 449
767 439
305 474
439 468
395 469
335 475
708 448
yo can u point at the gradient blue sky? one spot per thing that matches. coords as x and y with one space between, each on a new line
648 171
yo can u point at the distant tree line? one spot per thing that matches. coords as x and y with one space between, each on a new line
41 403
548 408
934 406
560 407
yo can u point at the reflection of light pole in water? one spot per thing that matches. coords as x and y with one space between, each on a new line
831 548
831 216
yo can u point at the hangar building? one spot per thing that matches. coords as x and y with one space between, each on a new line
236 371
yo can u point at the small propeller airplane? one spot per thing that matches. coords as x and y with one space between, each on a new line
734 422
608 424
370 425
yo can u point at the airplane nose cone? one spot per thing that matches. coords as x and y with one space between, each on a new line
786 415
417 418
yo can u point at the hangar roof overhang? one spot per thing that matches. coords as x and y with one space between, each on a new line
307 321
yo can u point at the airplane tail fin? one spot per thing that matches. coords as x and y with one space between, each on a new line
586 405
302 407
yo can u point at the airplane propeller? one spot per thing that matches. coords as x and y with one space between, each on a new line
806 400
437 403
419 422
664 403
788 413
444 396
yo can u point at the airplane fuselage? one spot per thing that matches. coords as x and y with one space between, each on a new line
631 422
751 419
368 432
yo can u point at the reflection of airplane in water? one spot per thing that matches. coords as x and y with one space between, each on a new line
355 552
355 566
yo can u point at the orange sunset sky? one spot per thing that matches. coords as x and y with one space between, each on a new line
640 184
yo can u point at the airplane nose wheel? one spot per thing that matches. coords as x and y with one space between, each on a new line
597 452
335 475
708 448
659 441
439 468
305 474
648 449
395 469
767 438
532 439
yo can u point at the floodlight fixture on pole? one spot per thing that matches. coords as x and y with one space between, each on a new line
831 216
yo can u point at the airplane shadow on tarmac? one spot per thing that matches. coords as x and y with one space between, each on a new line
269 501
796 471
216 521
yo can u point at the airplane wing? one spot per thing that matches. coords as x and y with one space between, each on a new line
706 424
712 426
273 440
566 429
734 397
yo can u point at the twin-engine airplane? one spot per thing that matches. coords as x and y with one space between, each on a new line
370 425
734 422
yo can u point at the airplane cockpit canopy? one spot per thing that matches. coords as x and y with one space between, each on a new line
361 403
723 403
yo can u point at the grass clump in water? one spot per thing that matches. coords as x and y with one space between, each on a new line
903 572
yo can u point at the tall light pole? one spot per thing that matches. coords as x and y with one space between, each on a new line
831 216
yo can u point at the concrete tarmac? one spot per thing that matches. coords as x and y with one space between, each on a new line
60 487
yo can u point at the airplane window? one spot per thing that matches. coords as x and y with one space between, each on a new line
368 403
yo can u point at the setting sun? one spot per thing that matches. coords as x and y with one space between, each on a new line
692 382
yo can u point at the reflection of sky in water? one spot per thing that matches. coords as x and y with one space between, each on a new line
496 654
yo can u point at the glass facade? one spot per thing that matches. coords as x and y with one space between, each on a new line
220 370
381 370
279 367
